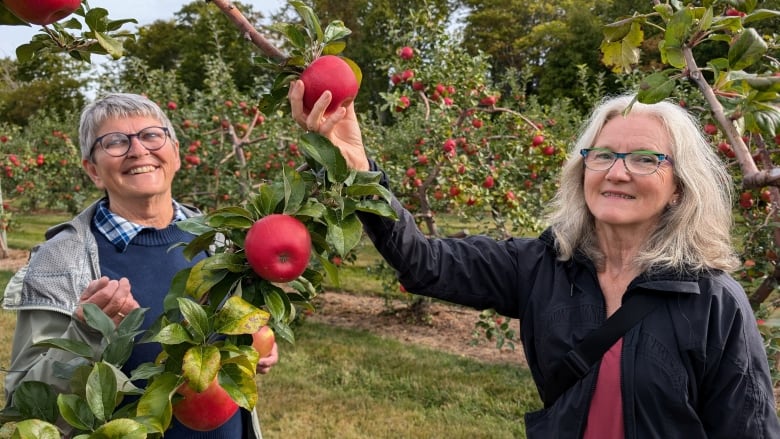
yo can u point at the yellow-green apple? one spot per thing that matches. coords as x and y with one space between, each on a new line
263 340
278 247
206 410
42 12
329 72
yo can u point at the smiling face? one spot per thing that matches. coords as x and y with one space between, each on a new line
621 200
141 177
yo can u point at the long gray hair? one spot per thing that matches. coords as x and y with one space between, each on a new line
117 106
693 235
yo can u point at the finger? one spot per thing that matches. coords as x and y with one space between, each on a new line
317 114
93 287
295 96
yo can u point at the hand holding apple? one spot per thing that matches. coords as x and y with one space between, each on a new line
341 126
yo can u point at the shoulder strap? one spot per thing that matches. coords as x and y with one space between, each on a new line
579 360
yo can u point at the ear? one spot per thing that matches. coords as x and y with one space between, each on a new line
178 155
91 170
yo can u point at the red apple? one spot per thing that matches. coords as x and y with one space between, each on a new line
263 341
206 410
537 140
278 247
42 12
406 53
710 129
332 73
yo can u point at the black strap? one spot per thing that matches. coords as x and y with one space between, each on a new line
579 360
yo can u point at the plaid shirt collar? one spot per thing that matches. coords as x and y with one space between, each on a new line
120 231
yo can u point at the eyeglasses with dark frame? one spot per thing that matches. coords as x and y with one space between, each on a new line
118 144
640 162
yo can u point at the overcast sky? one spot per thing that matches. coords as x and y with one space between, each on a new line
145 11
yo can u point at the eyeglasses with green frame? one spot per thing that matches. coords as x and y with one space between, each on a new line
640 162
118 144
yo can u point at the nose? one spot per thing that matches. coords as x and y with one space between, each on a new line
618 171
136 148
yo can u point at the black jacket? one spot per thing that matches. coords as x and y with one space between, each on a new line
693 368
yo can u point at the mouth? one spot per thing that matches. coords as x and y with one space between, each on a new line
617 195
142 170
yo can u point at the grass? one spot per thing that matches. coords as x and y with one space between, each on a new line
343 383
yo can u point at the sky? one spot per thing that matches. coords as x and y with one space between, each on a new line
145 11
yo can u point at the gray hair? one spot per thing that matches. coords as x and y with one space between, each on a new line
116 106
694 234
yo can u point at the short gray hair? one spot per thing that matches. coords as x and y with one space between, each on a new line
114 106
693 235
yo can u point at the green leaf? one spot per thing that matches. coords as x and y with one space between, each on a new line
275 301
35 429
197 320
764 83
377 208
240 385
195 225
124 428
7 18
759 15
119 349
97 319
655 88
678 28
73 346
325 153
233 262
334 48
76 412
35 399
621 55
200 280
102 391
112 46
343 233
747 50
617 31
671 55
294 190
238 316
231 217
154 406
310 21
199 244
96 19
335 30
269 196
172 334
200 367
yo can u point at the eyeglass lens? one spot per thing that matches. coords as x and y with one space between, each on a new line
639 162
118 144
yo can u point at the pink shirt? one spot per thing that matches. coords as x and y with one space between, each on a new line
605 418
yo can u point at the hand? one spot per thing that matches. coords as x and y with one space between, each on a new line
265 363
112 296
341 127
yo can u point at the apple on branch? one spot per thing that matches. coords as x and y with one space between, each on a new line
278 247
333 73
206 410
42 12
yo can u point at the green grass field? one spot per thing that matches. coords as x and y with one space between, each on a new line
344 383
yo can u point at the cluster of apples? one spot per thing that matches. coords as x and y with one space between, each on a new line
278 248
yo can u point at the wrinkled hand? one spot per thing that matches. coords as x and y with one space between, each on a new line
341 127
265 363
112 296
